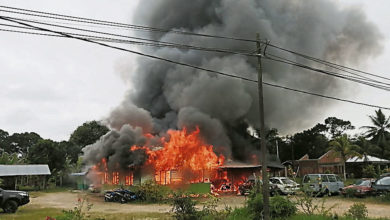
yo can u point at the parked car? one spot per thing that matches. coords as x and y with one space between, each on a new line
361 188
10 200
248 185
323 184
119 195
382 185
285 185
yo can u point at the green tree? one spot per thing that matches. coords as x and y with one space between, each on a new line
47 152
366 147
21 142
9 159
87 134
379 131
3 140
343 148
336 127
312 142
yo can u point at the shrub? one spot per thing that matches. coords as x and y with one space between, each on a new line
152 192
183 208
255 205
309 207
369 171
385 197
79 212
357 211
210 211
239 213
350 193
281 207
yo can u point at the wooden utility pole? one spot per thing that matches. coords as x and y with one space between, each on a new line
263 147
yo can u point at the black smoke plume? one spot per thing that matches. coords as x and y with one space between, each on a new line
167 96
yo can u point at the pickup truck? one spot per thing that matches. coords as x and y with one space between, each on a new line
11 200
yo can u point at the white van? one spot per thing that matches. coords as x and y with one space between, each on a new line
323 184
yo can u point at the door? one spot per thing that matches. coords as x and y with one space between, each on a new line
333 187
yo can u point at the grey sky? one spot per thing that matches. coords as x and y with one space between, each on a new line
50 86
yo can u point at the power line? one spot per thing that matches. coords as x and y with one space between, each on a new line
327 63
195 67
35 13
169 44
117 24
293 63
139 38
350 78
116 40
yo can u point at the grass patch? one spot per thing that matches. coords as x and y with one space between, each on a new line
368 199
131 216
34 213
199 188
29 213
320 217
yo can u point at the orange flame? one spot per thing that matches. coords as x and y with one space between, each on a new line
185 152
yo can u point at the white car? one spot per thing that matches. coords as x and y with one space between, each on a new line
285 185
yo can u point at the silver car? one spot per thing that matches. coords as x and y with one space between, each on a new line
285 185
323 184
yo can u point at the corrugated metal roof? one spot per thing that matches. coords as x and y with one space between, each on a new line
236 164
24 170
367 158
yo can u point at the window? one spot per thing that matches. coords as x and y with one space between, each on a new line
338 179
311 179
287 181
324 178
332 178
384 181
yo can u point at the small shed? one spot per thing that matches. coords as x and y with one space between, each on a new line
21 174
80 180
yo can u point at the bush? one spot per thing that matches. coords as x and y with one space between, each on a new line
239 213
183 208
357 211
77 213
369 171
350 193
151 192
255 205
281 207
210 211
385 197
308 206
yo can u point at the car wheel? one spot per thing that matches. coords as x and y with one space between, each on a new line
10 206
123 200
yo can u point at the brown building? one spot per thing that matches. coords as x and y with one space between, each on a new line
327 163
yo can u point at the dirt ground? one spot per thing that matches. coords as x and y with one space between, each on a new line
67 200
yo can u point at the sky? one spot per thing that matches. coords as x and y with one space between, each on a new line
51 86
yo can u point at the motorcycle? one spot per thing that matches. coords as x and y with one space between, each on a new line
119 195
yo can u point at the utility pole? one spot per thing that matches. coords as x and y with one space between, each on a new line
263 147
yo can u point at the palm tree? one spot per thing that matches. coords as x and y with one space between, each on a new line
380 130
367 148
343 148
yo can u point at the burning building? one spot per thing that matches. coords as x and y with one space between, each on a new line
180 124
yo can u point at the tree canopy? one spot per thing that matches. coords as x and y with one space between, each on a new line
88 133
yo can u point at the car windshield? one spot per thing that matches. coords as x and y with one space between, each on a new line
363 183
287 181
